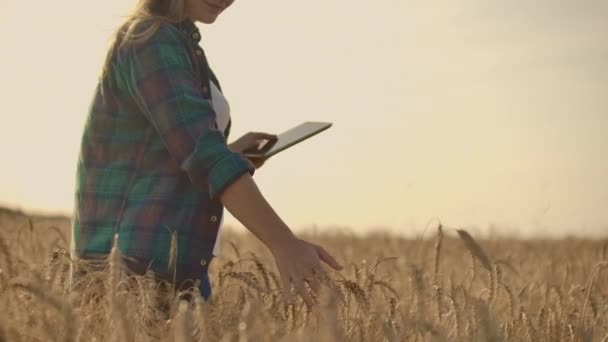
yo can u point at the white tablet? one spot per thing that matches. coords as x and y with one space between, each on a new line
288 139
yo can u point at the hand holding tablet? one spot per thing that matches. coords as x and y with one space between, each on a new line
286 139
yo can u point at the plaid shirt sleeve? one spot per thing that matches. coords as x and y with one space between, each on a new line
161 78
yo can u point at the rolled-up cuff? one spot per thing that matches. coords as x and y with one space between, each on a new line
226 171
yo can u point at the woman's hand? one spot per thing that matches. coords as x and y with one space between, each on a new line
250 140
298 262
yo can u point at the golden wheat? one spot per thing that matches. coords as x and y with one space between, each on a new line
416 290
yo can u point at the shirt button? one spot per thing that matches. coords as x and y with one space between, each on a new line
199 52
205 89
213 218
196 35
203 262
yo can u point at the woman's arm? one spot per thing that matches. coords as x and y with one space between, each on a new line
297 260
244 200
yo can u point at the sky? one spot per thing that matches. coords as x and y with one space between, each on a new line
485 115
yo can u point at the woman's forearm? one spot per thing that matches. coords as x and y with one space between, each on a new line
298 261
247 204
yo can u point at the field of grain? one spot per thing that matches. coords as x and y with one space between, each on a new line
448 286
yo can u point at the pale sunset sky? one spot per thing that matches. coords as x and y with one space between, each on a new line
479 113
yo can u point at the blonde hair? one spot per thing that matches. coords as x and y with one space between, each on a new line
149 15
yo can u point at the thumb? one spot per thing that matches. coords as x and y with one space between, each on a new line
328 259
270 137
267 135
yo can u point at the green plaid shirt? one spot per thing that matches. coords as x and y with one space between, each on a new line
152 160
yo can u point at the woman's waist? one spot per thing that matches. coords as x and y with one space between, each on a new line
182 252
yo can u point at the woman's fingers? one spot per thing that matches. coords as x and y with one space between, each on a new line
268 135
299 263
287 293
262 135
299 283
314 283
328 259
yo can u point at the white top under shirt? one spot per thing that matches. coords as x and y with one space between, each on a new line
222 111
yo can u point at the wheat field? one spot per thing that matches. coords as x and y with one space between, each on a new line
448 286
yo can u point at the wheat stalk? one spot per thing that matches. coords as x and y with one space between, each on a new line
438 244
53 301
475 249
596 270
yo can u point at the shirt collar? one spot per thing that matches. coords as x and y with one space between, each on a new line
190 30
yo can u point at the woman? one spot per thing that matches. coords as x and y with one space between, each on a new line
155 167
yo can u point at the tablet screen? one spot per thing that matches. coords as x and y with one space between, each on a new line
292 137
